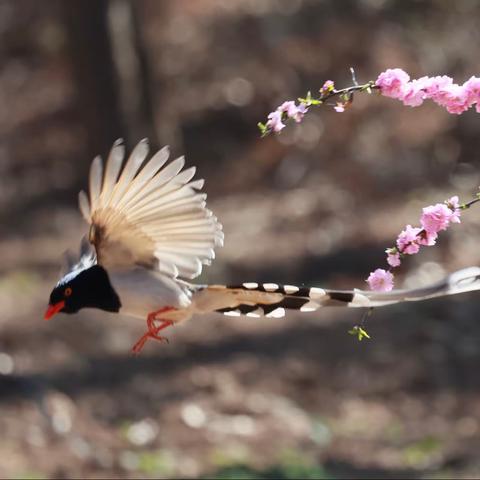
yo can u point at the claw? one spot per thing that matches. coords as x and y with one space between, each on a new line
160 338
137 348
153 330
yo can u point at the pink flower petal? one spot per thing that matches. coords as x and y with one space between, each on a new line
393 259
427 238
380 280
328 86
436 218
392 82
454 205
407 241
274 121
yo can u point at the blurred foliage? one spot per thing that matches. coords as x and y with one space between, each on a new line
30 475
292 464
157 463
420 454
244 472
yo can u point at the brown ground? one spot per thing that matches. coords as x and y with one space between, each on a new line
291 396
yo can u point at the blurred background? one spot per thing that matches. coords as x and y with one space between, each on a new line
317 205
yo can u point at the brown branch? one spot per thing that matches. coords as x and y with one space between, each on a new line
325 94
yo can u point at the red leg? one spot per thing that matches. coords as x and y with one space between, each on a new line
153 330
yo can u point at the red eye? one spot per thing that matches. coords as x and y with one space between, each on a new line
67 292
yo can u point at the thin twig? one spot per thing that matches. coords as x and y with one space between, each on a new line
365 316
470 203
354 78
348 90
346 95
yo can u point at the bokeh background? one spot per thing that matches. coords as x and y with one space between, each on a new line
318 205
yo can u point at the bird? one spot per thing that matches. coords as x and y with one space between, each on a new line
150 234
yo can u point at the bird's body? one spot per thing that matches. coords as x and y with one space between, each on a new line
144 291
151 233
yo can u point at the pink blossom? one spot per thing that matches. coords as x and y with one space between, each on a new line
327 87
288 107
380 280
435 218
300 113
414 93
454 206
274 121
339 107
392 82
292 110
472 89
433 85
407 240
454 98
427 238
393 257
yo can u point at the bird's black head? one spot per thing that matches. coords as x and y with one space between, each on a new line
88 288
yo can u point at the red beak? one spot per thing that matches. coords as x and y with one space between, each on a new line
54 309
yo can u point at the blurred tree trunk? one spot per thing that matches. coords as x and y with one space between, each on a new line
94 73
131 62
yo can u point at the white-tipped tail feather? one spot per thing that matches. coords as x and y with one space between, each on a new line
269 299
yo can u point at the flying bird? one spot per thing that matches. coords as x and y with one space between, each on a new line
150 233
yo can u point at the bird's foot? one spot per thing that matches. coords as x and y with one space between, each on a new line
153 330
137 348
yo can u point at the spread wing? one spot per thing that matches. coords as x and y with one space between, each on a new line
153 216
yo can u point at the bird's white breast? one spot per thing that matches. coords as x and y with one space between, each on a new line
143 291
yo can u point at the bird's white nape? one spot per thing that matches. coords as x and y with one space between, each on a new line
73 264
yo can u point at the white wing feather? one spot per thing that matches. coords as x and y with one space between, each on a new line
151 216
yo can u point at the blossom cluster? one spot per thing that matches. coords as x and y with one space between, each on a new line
456 99
433 220
289 110
285 111
395 83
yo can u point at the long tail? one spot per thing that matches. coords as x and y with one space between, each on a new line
270 299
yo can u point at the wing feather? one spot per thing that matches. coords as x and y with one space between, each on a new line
84 205
132 166
193 201
95 180
151 214
154 189
183 196
155 163
114 164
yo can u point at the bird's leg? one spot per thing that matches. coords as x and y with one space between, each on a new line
153 329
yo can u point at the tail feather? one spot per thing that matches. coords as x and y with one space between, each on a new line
270 299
